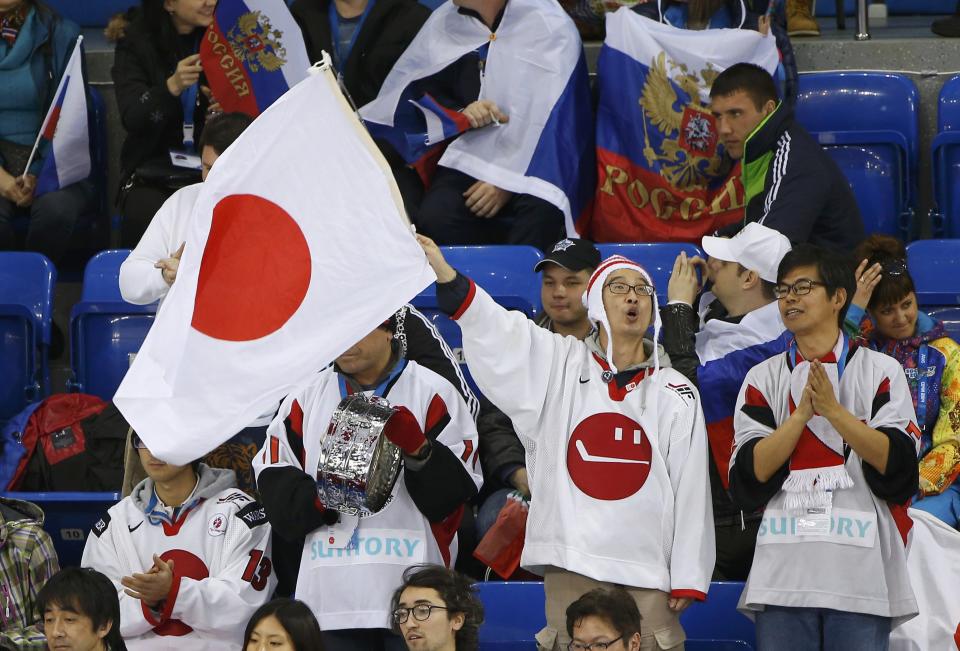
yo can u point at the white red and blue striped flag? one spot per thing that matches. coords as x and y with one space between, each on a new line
252 53
66 129
535 72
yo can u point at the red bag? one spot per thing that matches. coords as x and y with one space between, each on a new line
500 549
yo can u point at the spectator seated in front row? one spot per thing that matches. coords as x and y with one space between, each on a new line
350 563
826 439
282 625
885 310
616 447
188 552
792 185
438 609
80 611
739 326
601 619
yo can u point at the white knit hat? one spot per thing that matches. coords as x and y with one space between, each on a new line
593 301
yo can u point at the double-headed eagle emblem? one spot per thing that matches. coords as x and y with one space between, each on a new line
687 156
256 43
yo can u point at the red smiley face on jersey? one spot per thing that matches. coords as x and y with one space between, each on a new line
608 456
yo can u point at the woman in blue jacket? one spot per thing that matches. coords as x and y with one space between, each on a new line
35 45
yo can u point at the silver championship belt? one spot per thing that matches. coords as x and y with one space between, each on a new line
358 466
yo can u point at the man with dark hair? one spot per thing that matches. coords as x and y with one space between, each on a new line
604 616
826 443
151 268
791 184
430 588
738 326
348 561
80 611
188 553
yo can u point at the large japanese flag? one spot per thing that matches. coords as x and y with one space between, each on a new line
298 247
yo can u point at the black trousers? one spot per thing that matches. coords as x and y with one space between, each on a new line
444 216
139 206
735 547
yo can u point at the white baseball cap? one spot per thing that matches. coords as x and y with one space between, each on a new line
756 247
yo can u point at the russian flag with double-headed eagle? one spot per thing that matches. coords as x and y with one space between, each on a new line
252 53
65 128
661 171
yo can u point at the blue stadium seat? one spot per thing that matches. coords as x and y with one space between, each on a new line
913 7
105 329
717 620
69 518
829 7
946 161
934 266
90 13
26 315
656 257
867 122
513 611
505 272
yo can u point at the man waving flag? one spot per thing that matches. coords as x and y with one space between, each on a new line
297 244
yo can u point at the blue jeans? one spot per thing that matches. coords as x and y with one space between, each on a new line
945 506
820 629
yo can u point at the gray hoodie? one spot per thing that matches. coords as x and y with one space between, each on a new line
211 482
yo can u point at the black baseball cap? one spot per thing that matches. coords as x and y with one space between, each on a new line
573 255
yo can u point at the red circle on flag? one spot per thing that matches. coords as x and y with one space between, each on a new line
608 456
255 270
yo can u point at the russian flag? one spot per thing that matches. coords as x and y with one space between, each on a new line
660 166
65 128
252 53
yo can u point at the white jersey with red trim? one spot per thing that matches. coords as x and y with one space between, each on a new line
857 561
220 546
618 475
348 571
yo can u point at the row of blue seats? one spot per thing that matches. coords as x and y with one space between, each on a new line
513 611
894 7
105 329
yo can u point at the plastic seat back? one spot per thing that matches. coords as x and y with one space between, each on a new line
934 266
915 7
26 315
104 328
513 612
717 619
69 518
946 161
867 122
656 257
91 13
950 316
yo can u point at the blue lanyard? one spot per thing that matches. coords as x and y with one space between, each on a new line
922 385
382 387
188 100
796 358
341 57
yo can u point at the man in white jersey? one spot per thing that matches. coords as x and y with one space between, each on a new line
826 438
349 564
189 554
615 443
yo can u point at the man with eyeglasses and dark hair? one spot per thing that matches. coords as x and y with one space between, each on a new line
437 609
826 438
188 553
604 619
615 447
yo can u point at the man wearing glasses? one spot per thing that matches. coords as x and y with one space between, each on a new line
826 439
437 609
603 620
188 553
615 445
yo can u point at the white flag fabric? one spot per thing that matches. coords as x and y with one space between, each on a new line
297 248
933 561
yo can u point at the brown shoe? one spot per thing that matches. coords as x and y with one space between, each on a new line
800 20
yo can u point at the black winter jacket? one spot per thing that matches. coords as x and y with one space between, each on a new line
384 35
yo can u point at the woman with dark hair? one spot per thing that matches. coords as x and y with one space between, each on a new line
283 625
437 608
162 101
80 610
35 46
884 310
